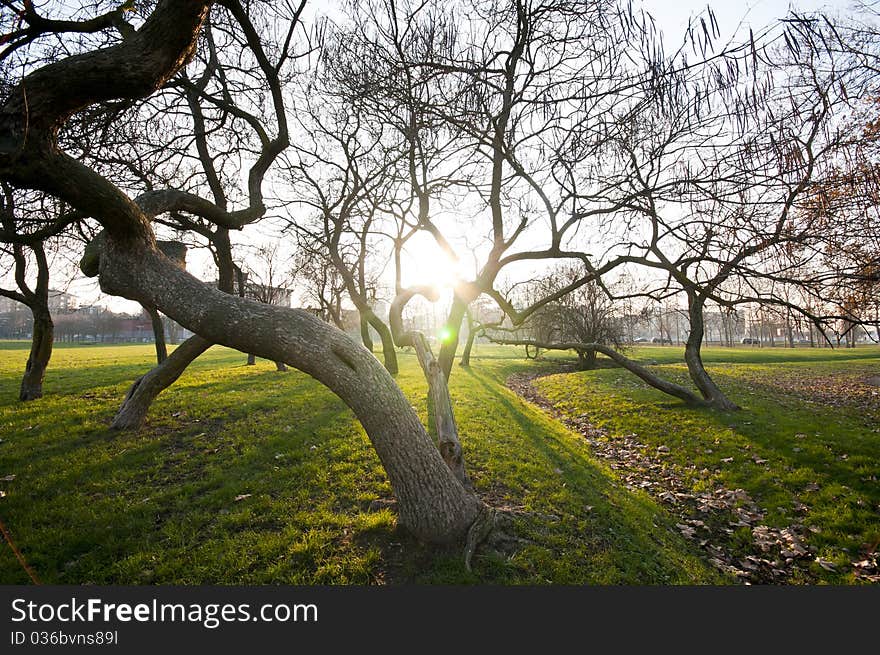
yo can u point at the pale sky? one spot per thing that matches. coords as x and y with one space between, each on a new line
672 17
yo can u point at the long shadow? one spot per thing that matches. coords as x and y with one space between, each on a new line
635 513
767 442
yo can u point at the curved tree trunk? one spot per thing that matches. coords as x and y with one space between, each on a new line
449 344
146 388
432 503
465 360
158 334
41 352
440 410
389 350
633 367
713 396
365 332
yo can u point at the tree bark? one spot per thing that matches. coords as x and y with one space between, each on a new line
389 350
440 410
465 360
40 354
442 416
365 332
586 359
432 502
449 344
710 391
158 334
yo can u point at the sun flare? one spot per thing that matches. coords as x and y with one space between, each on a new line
424 263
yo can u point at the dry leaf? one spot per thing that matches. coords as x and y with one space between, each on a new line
826 564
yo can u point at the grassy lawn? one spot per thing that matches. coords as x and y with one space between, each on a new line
806 445
248 476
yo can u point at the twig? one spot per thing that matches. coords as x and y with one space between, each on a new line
18 555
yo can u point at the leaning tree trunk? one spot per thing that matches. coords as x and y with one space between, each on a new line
633 367
586 359
465 360
449 344
158 334
389 350
365 333
432 503
38 359
146 388
713 396
441 414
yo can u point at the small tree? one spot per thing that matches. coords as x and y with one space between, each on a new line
585 315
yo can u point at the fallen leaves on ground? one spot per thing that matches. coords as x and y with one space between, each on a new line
708 518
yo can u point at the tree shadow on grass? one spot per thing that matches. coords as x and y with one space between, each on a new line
627 535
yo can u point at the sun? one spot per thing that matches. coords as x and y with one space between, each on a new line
424 263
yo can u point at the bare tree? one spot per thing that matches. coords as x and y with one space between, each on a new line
585 315
264 277
432 503
35 295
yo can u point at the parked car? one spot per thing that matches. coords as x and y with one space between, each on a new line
661 341
749 341
640 340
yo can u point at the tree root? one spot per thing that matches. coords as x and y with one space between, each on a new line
494 527
480 529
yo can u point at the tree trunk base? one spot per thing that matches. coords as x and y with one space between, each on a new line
723 404
30 392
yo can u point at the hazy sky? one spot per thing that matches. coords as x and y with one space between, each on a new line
672 17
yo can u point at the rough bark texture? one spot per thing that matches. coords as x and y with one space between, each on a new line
158 334
440 408
38 359
36 109
146 388
633 367
140 396
432 503
713 396
586 359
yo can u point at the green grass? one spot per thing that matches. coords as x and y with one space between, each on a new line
821 443
89 505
